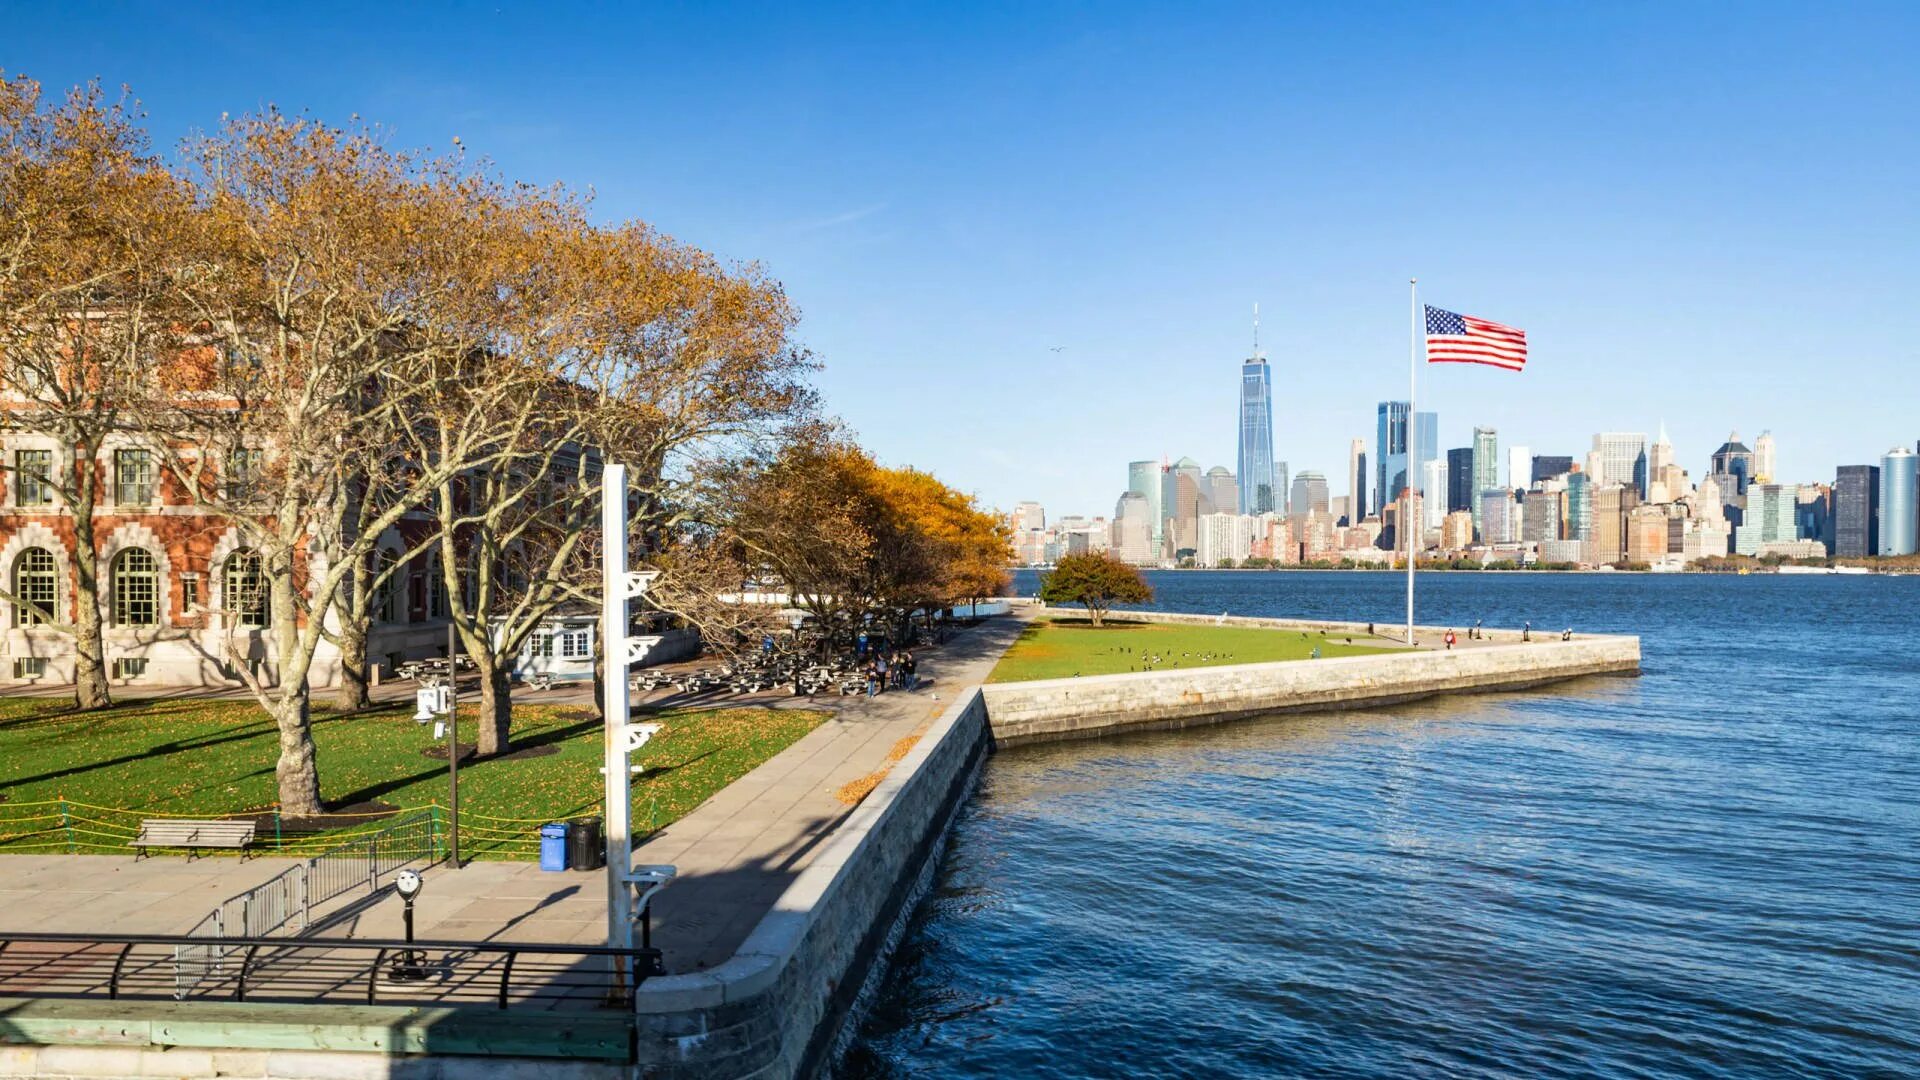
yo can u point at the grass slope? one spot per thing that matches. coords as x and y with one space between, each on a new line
1058 649
217 758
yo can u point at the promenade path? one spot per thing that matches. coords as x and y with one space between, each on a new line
736 853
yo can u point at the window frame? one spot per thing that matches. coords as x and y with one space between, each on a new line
256 612
122 486
121 581
47 576
576 643
33 486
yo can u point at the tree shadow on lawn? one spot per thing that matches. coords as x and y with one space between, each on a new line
243 734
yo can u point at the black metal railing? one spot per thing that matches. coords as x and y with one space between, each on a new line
339 971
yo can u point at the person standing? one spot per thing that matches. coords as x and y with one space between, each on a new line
1449 640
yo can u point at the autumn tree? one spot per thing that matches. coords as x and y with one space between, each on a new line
87 220
331 280
1096 580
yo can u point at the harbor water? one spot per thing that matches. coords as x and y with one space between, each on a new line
1712 870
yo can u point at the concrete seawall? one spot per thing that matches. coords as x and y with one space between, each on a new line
1077 708
779 1006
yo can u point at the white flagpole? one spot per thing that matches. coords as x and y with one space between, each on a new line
1413 454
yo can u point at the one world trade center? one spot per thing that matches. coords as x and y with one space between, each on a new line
1257 488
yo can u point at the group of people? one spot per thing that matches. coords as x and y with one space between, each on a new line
895 670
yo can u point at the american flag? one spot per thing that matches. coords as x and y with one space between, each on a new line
1462 339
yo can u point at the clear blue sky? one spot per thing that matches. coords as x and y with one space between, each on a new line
1707 213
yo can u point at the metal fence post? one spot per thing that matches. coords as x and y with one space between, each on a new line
66 823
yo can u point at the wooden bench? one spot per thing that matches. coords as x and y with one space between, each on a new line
192 834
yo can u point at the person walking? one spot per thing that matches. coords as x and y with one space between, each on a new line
913 673
873 680
1449 639
880 665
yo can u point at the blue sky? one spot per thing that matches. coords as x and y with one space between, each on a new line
1707 214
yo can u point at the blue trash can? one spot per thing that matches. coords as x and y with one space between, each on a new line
553 847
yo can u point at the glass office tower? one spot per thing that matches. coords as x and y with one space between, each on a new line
1257 492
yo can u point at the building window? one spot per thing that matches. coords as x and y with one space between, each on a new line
189 591
436 593
33 477
540 646
35 584
387 594
136 588
133 477
242 475
29 667
246 589
129 667
576 645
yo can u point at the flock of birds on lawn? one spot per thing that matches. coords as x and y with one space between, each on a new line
1150 661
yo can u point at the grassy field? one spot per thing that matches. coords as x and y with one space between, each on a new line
81 782
1058 649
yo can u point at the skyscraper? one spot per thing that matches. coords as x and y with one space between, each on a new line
1356 480
1280 488
1143 479
1486 469
1258 493
1856 510
1548 466
1394 472
1579 506
1433 486
1309 492
1223 490
1460 485
1519 466
1899 503
1623 459
1734 460
1763 458
1183 498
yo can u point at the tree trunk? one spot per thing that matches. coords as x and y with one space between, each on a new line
297 773
90 689
298 770
1093 615
496 707
355 690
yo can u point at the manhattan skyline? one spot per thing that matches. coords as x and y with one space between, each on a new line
1702 217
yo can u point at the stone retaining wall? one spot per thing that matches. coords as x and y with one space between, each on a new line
1076 708
777 1008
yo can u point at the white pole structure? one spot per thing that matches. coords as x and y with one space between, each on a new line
616 707
1413 452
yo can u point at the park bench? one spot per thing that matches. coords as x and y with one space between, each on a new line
192 834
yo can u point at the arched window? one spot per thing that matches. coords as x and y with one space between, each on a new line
245 589
136 588
35 581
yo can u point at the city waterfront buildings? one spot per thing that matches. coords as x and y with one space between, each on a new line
1259 493
1623 459
1143 479
1899 503
1856 511
1733 459
1433 488
1486 468
1763 464
1309 493
1519 467
1548 467
1223 490
1460 485
1402 453
1356 480
1771 518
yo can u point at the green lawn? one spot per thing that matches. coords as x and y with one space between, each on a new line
1058 649
81 782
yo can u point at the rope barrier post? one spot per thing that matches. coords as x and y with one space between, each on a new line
278 843
66 823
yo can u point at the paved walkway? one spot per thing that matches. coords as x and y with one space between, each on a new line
737 852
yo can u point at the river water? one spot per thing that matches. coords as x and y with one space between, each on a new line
1711 870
